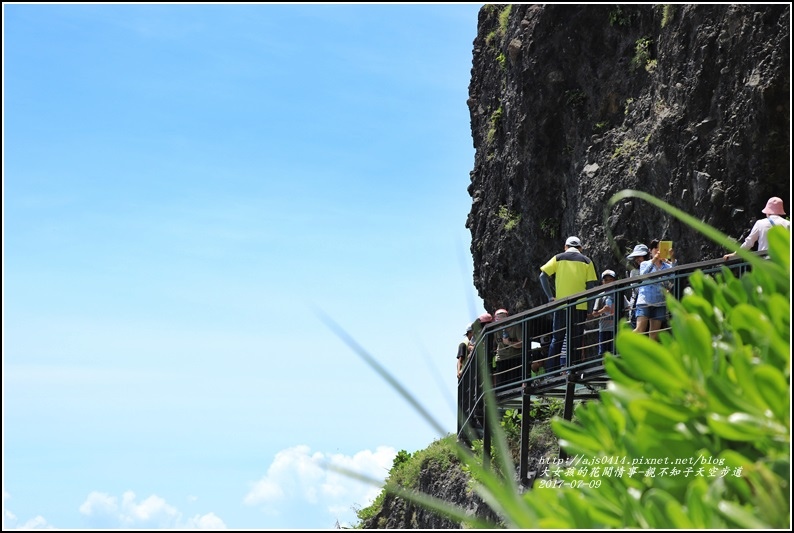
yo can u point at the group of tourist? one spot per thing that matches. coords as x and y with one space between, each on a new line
573 272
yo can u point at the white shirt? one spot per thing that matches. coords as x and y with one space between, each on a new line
760 229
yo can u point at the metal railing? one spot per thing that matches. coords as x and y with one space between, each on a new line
577 371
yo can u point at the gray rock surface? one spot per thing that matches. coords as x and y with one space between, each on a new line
572 103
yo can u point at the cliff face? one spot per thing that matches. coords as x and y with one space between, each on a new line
572 103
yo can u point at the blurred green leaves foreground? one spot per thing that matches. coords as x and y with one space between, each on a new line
713 395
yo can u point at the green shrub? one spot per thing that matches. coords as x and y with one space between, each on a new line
668 10
575 98
504 18
510 218
407 467
625 149
496 116
489 39
502 60
618 17
548 226
642 53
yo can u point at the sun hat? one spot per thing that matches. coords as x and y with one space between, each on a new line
501 311
774 206
485 318
608 272
573 241
468 328
640 250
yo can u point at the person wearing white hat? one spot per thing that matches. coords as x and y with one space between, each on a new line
573 273
774 217
508 341
639 254
604 311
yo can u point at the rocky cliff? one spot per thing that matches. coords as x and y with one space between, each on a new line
572 103
449 484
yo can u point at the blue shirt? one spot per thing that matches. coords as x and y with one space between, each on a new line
652 294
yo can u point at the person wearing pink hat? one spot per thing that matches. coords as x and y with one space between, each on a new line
774 217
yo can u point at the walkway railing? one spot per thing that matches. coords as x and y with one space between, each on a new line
577 373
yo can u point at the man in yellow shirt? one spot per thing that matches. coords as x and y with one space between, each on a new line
573 272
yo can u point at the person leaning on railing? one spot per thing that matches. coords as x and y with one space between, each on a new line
464 349
508 341
774 217
604 311
635 259
477 332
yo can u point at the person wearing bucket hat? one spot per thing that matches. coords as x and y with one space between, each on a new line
639 254
464 348
640 250
758 235
573 273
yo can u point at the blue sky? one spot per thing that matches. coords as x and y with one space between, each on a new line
187 189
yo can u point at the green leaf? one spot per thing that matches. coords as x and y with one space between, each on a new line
666 511
725 398
575 439
780 248
742 517
650 362
694 337
620 372
657 413
697 305
696 507
744 427
773 388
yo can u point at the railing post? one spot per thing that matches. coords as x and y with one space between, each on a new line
568 340
486 425
523 461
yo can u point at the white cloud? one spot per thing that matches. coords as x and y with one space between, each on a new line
98 503
151 511
104 511
297 475
209 521
36 523
7 515
10 519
